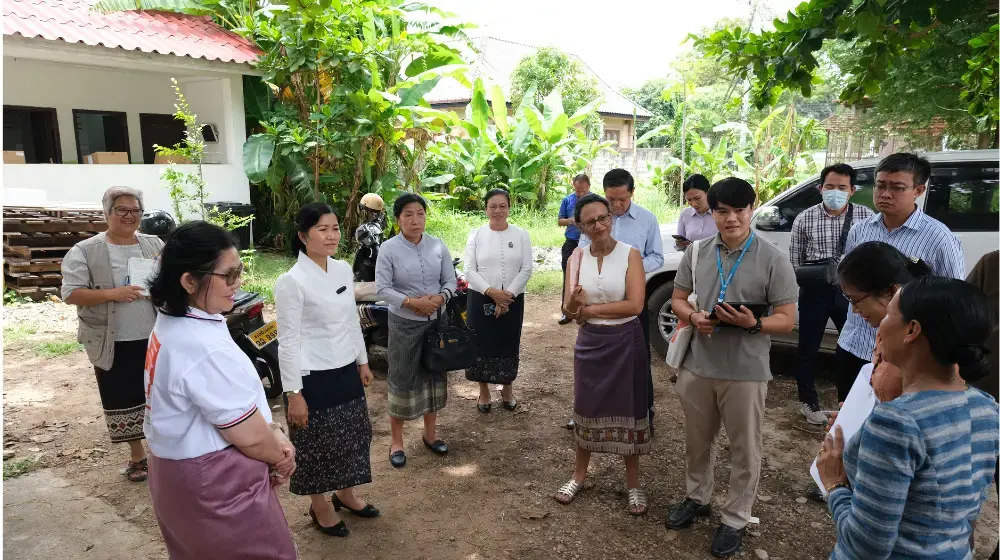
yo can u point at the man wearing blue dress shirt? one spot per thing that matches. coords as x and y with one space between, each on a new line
581 188
633 225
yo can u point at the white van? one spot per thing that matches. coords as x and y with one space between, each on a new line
962 193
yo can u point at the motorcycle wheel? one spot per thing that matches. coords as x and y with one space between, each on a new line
270 378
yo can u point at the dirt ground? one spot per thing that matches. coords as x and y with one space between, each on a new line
490 498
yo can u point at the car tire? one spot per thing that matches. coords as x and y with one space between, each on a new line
662 321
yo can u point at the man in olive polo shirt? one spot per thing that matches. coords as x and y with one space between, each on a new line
723 380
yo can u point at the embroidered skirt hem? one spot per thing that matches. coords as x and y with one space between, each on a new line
123 396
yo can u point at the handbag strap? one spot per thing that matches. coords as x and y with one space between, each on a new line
695 248
845 230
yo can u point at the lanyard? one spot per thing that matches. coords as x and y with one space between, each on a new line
724 282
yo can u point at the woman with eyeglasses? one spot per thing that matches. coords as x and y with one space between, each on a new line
869 276
497 266
912 481
605 293
115 317
215 453
324 370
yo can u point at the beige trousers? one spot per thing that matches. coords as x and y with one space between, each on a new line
739 406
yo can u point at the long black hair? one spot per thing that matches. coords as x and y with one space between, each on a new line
307 217
194 248
875 267
956 319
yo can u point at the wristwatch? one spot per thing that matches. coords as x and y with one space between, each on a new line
295 392
756 328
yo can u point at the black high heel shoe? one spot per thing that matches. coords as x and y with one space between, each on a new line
369 511
338 530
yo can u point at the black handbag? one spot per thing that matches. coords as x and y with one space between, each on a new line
448 347
823 272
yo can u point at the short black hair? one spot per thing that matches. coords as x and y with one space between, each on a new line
195 248
588 199
496 192
307 217
697 181
619 178
875 267
581 177
839 169
955 318
731 191
408 198
909 163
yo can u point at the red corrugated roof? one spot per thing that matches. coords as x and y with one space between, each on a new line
73 21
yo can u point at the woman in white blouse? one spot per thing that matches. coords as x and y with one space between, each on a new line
497 267
324 370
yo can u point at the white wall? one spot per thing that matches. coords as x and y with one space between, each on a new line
66 87
87 183
216 99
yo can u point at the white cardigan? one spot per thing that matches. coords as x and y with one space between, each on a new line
498 259
318 328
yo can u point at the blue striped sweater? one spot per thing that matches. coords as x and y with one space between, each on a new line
920 469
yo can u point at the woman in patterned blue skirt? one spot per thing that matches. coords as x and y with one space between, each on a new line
324 370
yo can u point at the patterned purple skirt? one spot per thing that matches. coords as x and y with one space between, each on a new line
611 386
220 506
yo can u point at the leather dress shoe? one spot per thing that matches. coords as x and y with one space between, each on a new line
685 513
437 447
397 459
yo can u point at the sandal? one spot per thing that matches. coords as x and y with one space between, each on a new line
570 490
637 501
137 471
510 405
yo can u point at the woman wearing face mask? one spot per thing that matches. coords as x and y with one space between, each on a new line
324 370
912 481
819 234
215 453
497 266
415 275
869 276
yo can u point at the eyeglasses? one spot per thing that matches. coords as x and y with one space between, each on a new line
497 208
603 220
855 303
231 277
892 188
123 211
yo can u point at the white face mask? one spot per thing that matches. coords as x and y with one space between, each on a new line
835 200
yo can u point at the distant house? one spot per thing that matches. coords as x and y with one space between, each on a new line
496 59
76 82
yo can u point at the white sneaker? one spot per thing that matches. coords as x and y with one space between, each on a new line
813 414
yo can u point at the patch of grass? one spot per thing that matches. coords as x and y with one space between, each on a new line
15 468
454 227
56 349
267 267
547 282
655 200
17 333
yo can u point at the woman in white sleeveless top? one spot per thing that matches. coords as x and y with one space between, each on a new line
605 295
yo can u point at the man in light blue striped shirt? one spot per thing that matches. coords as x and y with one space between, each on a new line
899 180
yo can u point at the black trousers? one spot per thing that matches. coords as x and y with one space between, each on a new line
817 306
848 367
568 247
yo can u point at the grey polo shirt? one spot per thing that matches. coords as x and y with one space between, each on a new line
764 276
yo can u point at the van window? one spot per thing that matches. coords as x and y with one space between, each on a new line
865 193
805 196
964 198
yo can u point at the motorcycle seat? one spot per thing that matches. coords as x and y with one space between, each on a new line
365 291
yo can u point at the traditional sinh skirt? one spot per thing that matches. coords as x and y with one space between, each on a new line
498 340
220 506
123 396
332 452
610 404
413 391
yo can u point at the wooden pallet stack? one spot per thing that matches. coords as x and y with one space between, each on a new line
35 240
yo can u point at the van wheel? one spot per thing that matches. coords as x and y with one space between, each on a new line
662 320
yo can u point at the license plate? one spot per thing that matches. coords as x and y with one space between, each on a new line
264 335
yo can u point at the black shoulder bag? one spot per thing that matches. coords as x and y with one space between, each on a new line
448 347
823 272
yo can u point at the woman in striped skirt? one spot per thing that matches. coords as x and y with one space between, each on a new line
415 275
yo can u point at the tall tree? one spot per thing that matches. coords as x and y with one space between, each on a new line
901 49
550 68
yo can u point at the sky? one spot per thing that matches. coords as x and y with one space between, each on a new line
625 42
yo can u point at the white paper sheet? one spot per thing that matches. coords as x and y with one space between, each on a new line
861 400
141 272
